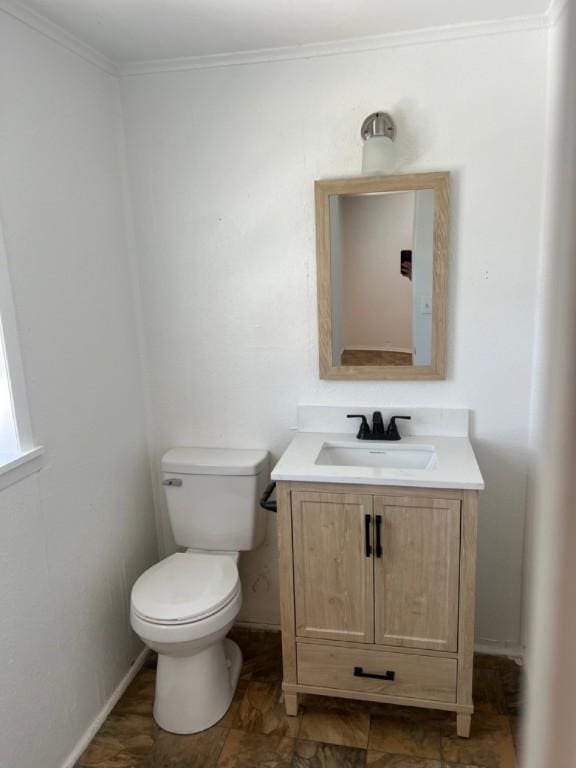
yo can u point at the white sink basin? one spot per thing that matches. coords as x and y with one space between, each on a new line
376 454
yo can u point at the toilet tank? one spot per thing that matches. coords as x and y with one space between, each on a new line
212 496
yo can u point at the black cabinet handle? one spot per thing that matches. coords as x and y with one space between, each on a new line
367 521
378 535
359 672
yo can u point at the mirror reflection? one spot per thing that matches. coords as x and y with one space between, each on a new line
381 272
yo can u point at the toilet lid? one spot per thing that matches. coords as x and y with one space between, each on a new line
185 587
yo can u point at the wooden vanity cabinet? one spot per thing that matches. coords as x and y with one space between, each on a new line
377 594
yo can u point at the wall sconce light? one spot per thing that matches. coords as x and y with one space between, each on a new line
379 153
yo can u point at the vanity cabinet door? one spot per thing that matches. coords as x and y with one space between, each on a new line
416 572
333 566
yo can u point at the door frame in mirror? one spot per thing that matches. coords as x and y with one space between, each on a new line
324 188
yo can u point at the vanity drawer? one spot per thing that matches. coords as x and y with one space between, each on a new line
402 674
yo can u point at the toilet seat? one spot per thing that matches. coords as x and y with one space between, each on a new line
185 588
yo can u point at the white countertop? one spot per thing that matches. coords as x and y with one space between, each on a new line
455 465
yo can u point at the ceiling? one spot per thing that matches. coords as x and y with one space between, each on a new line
140 30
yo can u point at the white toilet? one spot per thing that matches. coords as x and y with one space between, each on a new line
183 606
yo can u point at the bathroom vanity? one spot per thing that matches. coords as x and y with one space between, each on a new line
377 549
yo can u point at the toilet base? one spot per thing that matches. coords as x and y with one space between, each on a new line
234 660
194 692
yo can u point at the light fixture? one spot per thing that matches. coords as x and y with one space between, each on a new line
378 155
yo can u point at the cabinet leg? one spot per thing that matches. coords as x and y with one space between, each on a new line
291 703
463 723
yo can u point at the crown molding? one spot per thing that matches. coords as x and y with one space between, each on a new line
555 11
59 35
288 53
336 48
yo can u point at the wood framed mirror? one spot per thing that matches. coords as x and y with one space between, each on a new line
382 250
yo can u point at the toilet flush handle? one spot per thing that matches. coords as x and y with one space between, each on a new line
176 482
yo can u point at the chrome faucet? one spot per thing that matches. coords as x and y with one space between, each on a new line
377 432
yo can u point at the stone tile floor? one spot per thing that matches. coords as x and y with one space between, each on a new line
328 733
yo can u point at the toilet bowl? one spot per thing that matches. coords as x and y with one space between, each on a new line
183 608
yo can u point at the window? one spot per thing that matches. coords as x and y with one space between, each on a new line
18 456
9 442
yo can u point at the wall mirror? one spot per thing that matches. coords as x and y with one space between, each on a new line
381 254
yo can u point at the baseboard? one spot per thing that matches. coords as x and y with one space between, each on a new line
489 649
94 727
256 625
500 649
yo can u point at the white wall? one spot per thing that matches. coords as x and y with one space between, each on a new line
74 536
377 298
222 167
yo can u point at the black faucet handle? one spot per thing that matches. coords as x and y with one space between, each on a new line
364 431
392 431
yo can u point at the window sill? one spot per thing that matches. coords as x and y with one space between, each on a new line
16 466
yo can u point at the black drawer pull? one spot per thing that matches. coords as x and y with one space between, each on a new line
367 521
378 535
359 672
